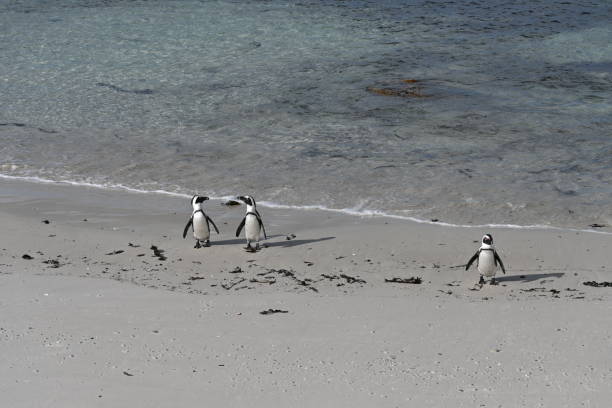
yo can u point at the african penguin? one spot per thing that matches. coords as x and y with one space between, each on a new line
252 223
200 223
487 260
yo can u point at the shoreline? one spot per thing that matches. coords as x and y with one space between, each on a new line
600 229
95 316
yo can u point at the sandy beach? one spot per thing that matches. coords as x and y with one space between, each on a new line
381 140
104 304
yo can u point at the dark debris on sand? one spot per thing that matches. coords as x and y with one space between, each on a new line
352 279
53 263
228 286
159 253
273 311
542 291
26 256
347 278
118 251
267 280
415 280
598 284
307 283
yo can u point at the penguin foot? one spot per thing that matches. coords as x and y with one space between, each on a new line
197 245
207 243
481 281
493 282
257 247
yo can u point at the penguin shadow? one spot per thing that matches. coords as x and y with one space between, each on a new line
528 277
242 240
228 242
282 244
296 242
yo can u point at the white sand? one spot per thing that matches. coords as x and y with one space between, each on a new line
130 330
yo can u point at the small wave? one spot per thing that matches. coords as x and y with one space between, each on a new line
106 186
382 214
353 211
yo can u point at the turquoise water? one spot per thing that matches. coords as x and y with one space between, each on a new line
478 112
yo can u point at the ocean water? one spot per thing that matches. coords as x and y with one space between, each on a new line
466 112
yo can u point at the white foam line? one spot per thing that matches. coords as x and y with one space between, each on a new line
34 179
375 213
346 211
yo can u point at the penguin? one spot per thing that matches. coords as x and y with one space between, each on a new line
252 223
200 223
488 259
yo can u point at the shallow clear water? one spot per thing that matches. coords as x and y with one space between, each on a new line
307 103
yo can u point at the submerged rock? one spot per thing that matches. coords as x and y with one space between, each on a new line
405 91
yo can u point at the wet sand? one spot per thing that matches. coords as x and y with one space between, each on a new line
112 307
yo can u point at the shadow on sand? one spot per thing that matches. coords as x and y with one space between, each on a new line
228 242
296 242
528 277
284 244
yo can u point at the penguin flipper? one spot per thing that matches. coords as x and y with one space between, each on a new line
498 260
240 227
208 219
472 259
261 223
262 227
187 227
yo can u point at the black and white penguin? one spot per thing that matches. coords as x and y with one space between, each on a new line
488 259
252 223
200 223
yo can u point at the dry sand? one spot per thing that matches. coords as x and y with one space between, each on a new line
94 318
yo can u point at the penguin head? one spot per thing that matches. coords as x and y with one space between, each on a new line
487 239
248 200
197 200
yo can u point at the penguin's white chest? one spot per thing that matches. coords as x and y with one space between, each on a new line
486 263
251 228
200 227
